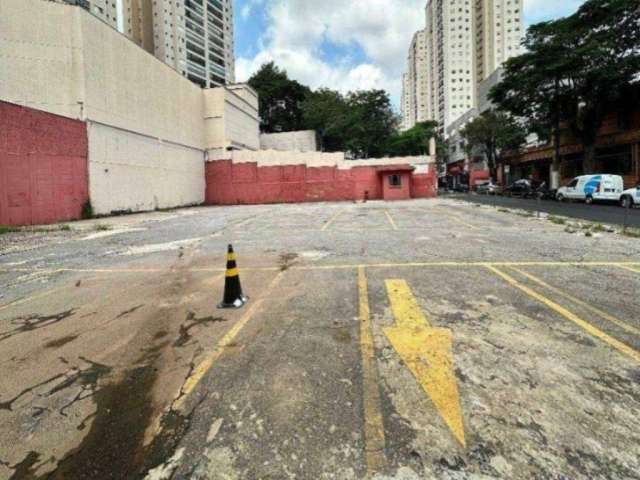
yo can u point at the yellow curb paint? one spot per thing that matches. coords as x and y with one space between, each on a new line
332 219
206 365
373 424
625 326
594 331
426 351
391 221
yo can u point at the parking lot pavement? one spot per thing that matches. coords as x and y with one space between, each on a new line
606 213
422 339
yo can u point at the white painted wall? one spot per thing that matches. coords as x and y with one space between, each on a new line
129 171
301 141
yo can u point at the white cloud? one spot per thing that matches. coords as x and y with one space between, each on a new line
297 29
382 29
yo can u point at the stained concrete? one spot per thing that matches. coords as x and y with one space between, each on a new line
99 335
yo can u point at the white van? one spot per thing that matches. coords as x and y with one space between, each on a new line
592 188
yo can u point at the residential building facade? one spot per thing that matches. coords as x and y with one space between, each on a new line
468 40
195 37
498 32
105 10
415 93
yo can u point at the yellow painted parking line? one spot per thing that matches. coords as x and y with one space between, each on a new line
391 221
206 365
426 351
345 266
631 269
450 216
625 326
374 437
332 219
594 331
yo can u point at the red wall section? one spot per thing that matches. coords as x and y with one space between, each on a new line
43 167
396 193
245 183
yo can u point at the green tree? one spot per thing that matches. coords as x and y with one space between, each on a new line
574 71
370 123
603 46
326 112
280 99
532 88
414 141
493 133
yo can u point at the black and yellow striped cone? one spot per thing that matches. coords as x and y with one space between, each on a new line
233 297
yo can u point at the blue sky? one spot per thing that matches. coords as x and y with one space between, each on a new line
340 44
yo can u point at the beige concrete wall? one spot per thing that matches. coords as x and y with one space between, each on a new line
301 141
231 120
128 171
40 59
270 158
128 88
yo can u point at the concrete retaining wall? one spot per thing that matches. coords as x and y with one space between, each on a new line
302 141
132 172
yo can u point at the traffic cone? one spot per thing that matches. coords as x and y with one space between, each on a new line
233 297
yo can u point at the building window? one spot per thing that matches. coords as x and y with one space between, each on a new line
395 181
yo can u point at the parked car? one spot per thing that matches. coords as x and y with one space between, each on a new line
461 188
630 198
488 188
519 188
543 192
591 188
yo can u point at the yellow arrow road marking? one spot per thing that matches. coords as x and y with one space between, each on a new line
426 351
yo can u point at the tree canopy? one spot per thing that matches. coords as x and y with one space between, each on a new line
280 99
493 133
361 123
575 70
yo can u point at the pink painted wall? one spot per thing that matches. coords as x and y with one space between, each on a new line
246 183
396 193
43 167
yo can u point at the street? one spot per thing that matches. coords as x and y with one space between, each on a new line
411 339
606 213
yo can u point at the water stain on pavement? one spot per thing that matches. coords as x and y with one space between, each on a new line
192 322
35 322
128 312
60 342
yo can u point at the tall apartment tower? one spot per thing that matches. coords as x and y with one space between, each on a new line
450 33
195 37
416 85
405 103
498 34
105 10
469 40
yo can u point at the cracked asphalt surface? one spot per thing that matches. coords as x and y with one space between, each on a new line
116 364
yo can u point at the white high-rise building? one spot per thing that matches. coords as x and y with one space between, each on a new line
498 34
467 40
405 103
415 83
105 10
193 36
